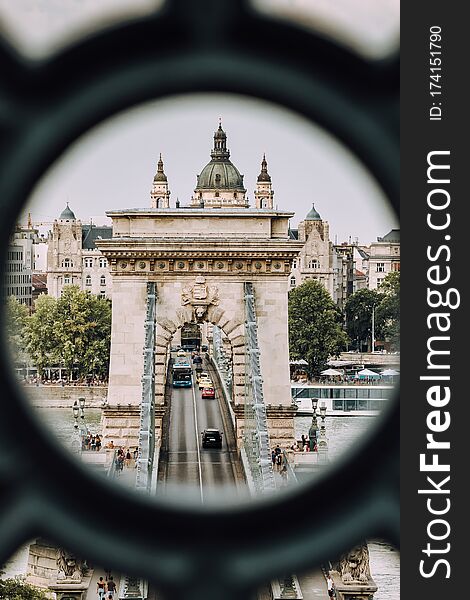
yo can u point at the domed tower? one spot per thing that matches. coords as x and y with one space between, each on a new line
264 193
64 252
160 194
313 221
220 184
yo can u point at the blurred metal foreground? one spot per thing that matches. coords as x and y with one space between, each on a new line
190 46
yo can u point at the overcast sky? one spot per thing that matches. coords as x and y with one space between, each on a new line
113 166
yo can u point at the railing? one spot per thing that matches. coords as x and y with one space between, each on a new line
256 436
147 409
222 362
133 588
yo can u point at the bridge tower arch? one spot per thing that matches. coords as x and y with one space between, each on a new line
200 260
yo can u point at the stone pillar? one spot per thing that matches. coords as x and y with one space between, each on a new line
127 341
273 339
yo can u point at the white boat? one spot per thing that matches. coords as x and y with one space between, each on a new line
341 400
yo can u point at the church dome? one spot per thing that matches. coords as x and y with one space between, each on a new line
313 215
220 173
67 214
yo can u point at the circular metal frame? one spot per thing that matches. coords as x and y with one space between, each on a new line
190 47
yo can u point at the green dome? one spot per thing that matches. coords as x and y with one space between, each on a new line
67 214
220 175
313 215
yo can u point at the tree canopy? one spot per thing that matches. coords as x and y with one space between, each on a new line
15 325
315 325
386 302
73 331
15 589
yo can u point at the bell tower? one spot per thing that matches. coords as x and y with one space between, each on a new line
160 194
264 193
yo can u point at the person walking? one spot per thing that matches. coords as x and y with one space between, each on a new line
111 587
128 458
101 588
330 586
98 443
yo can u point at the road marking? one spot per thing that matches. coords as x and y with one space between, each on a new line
197 438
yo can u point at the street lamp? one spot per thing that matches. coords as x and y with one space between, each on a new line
312 432
78 410
322 442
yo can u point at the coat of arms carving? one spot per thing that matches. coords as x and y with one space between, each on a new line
200 296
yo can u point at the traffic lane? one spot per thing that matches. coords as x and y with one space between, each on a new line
217 469
182 460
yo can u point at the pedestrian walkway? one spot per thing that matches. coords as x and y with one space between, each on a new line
127 476
91 593
313 586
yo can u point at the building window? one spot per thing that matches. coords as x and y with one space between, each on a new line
380 268
88 280
103 263
379 281
67 263
313 264
102 280
88 262
66 279
294 263
292 282
103 294
395 266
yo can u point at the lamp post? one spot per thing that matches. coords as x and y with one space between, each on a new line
312 432
322 442
78 410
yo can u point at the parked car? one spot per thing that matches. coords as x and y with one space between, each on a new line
212 438
208 392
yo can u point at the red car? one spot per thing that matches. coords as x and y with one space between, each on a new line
208 392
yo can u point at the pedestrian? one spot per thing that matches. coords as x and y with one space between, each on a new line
93 443
128 458
284 475
98 443
101 588
331 586
111 587
273 457
304 440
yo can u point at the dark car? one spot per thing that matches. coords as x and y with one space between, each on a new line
211 438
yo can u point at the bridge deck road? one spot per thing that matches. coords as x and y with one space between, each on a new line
185 467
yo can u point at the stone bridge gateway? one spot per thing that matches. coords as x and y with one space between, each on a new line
199 259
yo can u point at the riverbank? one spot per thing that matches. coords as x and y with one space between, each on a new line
57 396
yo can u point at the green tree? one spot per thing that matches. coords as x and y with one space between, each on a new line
358 311
15 326
315 325
84 329
388 311
15 589
41 336
73 331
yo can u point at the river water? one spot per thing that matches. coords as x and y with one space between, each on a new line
342 433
